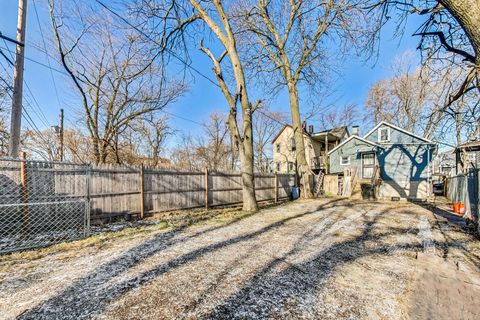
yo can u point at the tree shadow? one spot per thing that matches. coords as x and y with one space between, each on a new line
269 294
90 295
419 162
443 222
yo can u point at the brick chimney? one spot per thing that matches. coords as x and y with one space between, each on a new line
310 129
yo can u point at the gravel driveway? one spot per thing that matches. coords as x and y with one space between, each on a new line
317 259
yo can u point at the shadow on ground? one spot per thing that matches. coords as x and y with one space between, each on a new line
265 295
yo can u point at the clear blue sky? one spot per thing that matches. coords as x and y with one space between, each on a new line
203 97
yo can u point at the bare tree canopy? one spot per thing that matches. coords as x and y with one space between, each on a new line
266 125
413 98
290 42
117 75
449 36
177 24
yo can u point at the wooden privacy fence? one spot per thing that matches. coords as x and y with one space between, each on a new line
42 203
117 190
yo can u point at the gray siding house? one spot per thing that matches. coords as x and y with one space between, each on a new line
403 158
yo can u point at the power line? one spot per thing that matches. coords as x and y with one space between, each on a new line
28 99
37 62
46 54
158 44
26 116
30 95
177 57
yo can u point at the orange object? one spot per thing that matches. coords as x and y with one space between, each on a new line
459 208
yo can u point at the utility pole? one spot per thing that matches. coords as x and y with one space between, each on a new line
61 134
16 116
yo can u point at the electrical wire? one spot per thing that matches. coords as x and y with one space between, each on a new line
46 54
188 65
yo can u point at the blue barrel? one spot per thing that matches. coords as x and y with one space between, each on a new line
295 192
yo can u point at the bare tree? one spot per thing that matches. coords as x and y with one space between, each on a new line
4 135
345 116
213 15
211 149
450 34
292 46
114 72
151 135
266 124
413 98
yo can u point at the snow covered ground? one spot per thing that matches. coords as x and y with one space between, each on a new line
317 259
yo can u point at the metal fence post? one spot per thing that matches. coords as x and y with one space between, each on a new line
24 190
88 172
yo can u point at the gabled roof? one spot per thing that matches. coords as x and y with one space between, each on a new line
399 129
355 137
281 130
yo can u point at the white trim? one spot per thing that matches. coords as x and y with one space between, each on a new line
353 137
399 129
379 138
344 164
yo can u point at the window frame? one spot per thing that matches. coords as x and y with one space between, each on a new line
293 146
380 134
290 166
278 147
341 161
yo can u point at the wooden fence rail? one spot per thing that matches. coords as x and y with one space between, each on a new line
148 190
114 191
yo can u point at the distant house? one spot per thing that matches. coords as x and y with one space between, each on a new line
467 156
317 145
402 158
444 164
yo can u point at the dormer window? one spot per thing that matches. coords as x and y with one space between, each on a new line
384 135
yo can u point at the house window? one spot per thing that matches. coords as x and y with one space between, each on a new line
384 135
290 166
278 166
278 147
345 161
292 144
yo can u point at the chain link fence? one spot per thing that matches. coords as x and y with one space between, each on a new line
42 203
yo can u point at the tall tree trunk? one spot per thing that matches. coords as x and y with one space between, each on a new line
302 163
467 13
248 182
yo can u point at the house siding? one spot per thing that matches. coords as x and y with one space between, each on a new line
353 149
403 160
404 163
286 155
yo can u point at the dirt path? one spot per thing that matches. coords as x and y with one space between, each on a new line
322 259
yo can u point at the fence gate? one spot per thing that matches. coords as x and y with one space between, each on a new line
42 203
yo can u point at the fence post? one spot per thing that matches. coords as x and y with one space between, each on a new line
88 173
142 193
24 190
276 187
206 188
